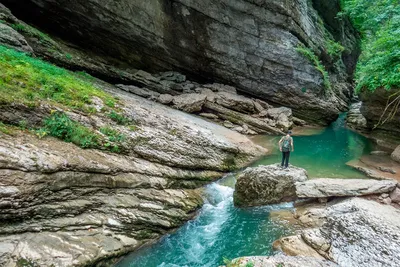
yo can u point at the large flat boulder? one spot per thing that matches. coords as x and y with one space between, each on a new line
265 185
326 187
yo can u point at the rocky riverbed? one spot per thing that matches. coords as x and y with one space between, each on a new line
345 230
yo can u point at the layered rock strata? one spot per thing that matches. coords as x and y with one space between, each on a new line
65 206
252 45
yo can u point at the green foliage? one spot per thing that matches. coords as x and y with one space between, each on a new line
118 118
4 128
22 262
115 138
379 24
61 126
310 55
334 49
27 80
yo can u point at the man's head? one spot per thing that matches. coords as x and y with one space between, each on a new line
289 132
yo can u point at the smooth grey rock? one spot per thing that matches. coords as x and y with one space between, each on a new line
395 195
165 99
189 102
236 102
11 38
265 185
396 154
326 187
284 261
276 112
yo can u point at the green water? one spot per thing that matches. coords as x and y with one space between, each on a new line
325 154
221 230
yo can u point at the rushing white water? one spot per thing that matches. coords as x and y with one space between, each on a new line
220 230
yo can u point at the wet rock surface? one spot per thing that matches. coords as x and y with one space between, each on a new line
265 185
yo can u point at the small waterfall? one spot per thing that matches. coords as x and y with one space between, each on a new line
220 230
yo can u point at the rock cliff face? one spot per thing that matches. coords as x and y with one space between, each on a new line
246 43
373 107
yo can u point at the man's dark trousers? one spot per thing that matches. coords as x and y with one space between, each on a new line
285 158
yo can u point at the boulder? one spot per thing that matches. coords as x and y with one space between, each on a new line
210 95
395 195
326 187
265 185
143 92
282 261
165 99
396 154
236 102
189 102
283 122
275 112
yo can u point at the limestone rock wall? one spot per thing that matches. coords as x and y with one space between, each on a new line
246 43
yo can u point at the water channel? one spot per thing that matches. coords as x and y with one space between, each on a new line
223 231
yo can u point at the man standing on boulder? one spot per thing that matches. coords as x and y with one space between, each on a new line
285 145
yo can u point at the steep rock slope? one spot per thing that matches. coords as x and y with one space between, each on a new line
249 44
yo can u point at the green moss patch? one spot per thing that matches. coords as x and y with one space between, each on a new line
28 80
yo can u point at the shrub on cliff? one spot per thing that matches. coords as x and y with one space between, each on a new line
379 24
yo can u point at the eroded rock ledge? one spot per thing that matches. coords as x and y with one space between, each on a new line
65 206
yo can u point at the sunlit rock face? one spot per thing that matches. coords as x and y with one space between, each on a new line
250 44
